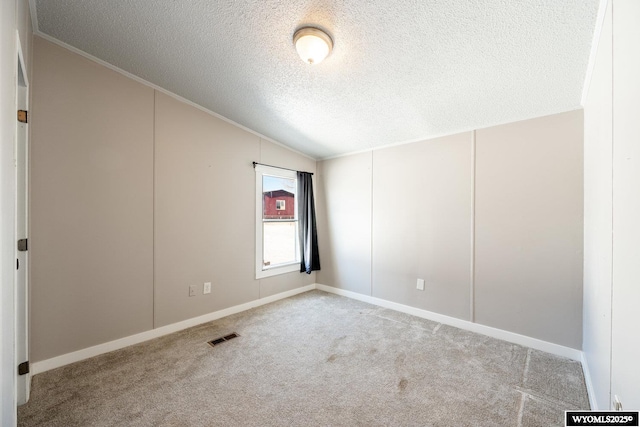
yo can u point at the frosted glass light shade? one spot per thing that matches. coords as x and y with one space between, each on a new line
312 44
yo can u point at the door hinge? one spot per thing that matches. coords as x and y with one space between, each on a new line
23 368
23 245
23 116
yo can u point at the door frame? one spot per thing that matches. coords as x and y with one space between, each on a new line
21 290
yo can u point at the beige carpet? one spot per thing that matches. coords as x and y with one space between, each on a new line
315 359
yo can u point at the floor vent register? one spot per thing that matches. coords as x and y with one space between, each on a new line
220 340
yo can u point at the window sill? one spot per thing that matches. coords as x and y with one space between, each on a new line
289 268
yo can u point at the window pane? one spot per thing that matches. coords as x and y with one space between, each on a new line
278 197
280 242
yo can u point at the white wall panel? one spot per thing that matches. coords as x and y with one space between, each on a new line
598 219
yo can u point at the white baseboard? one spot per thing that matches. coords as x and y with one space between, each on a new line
512 337
587 379
76 356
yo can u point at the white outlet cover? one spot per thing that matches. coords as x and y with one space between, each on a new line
206 288
420 285
192 290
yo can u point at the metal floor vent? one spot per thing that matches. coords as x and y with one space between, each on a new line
220 340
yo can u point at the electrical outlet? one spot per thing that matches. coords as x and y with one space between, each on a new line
206 289
420 285
192 290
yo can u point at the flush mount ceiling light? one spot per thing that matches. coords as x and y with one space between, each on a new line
312 44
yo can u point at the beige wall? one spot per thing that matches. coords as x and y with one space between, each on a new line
135 196
528 221
91 204
204 212
528 226
422 197
344 222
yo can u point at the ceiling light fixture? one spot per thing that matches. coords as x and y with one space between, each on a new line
312 44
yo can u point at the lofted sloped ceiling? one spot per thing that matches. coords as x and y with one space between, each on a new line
400 70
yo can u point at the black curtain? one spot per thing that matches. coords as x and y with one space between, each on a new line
310 259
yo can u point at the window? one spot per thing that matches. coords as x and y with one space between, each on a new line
277 245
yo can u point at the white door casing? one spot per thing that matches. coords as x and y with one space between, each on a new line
625 341
21 231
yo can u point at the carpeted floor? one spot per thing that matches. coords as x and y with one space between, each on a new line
315 359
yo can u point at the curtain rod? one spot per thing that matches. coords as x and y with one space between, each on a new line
278 167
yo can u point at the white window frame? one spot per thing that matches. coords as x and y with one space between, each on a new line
281 207
268 271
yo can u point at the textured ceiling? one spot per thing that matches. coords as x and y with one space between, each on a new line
400 70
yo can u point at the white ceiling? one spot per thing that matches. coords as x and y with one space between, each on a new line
400 70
